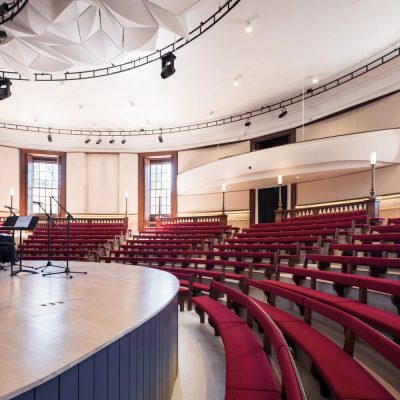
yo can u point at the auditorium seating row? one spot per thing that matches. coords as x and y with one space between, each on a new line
88 241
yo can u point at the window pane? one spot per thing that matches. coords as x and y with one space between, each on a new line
43 182
160 187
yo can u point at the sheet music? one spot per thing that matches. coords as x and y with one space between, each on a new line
23 222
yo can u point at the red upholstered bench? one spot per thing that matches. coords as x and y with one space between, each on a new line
377 266
384 320
334 367
249 374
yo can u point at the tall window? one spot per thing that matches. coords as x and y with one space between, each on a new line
43 182
160 187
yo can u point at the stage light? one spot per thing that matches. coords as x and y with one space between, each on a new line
62 84
167 65
283 113
87 140
123 141
98 141
249 26
3 36
247 123
4 8
112 141
49 137
5 88
160 138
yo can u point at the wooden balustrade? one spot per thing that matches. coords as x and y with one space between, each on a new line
217 219
370 206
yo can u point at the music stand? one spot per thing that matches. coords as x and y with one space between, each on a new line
20 224
50 221
66 271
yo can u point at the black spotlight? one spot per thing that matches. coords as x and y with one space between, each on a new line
3 36
5 90
4 8
123 141
167 65
160 138
87 140
112 141
283 113
247 123
49 137
98 141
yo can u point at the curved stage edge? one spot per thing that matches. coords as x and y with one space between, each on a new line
139 363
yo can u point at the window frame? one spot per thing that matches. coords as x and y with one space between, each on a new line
144 160
25 156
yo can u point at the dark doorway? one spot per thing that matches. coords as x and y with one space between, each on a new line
268 199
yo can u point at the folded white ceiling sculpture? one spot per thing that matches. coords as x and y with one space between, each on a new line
55 35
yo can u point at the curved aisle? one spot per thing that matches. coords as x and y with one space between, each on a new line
111 334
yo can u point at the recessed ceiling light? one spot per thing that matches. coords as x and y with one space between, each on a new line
80 107
315 80
249 26
148 123
132 104
62 84
211 114
236 82
35 120
94 126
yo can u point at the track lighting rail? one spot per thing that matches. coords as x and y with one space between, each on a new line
221 121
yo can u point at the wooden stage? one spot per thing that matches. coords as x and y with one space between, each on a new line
111 334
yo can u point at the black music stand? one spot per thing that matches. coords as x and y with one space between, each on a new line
20 224
66 271
50 221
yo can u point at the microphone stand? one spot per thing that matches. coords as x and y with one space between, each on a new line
50 221
13 214
67 271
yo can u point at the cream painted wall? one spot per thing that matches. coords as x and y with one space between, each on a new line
349 187
102 171
212 202
128 180
76 183
9 177
381 114
96 183
193 158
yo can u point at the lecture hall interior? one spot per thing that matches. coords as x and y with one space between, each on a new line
199 200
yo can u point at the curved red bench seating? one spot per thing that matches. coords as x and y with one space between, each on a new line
249 374
381 319
376 265
334 367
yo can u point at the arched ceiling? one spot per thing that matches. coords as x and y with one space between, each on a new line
291 42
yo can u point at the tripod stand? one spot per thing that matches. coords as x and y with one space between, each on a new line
66 271
50 221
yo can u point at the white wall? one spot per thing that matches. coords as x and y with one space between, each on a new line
96 183
76 183
9 177
211 202
193 158
128 180
382 114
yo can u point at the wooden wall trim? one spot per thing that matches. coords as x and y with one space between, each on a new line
141 183
24 154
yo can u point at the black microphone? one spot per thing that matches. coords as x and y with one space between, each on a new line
36 202
9 208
